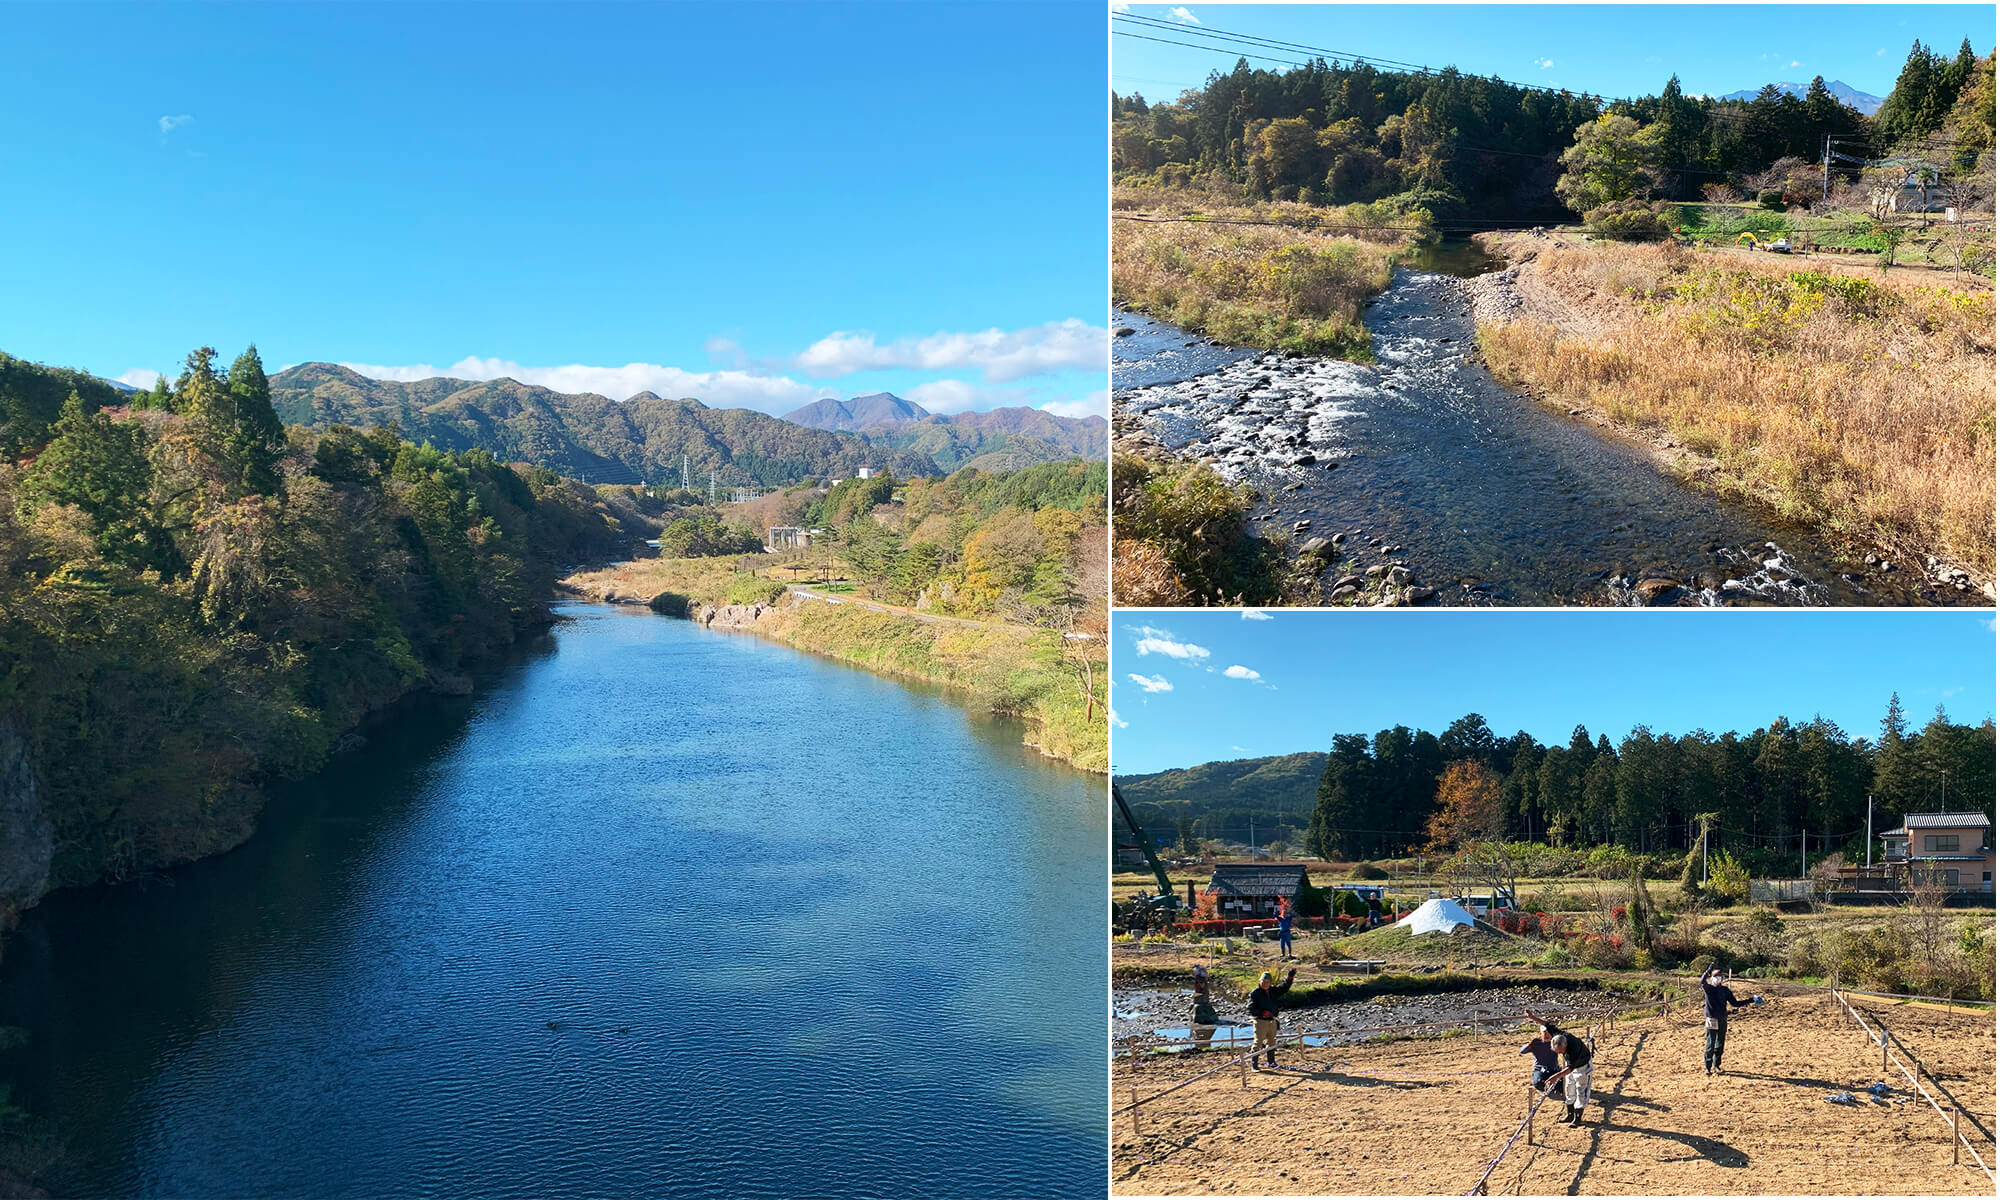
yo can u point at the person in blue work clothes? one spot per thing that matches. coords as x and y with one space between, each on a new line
1284 927
1718 999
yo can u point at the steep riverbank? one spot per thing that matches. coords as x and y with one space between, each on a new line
1006 670
1858 408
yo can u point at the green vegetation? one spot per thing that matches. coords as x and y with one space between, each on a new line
1182 539
1455 145
197 603
1023 546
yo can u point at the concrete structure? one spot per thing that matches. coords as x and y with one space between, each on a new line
1252 889
787 537
865 473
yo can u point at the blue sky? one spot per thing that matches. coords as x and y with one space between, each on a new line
1202 686
754 204
1612 50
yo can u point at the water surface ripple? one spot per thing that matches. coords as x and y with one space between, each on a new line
660 912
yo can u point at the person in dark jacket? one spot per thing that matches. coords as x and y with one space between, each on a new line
1575 1076
1264 1011
1545 1056
1717 1001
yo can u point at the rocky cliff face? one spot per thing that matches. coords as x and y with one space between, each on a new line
26 839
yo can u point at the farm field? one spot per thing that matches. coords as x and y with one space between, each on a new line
1428 1116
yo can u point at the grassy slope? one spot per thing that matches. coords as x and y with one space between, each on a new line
1252 275
1864 408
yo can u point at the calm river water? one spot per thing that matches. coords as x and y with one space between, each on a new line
659 912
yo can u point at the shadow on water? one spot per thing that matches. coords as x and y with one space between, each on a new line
657 912
1424 459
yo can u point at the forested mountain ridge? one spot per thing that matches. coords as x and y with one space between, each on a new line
999 439
1227 795
584 435
199 600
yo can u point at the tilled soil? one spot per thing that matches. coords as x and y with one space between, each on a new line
1414 1118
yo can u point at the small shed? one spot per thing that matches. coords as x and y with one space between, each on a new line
1252 889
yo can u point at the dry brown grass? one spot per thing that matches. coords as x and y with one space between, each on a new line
1862 407
1278 280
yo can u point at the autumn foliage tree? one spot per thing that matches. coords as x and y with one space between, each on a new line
1470 806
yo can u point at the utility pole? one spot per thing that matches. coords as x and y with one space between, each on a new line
1868 846
1802 854
1704 851
1253 841
1826 169
711 487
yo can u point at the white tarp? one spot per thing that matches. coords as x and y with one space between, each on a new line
1436 916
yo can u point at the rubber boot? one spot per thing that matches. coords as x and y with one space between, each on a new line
1578 1110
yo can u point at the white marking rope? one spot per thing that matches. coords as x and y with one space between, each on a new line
1882 1039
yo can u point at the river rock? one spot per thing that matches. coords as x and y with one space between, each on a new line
1301 526
1414 595
1353 581
1123 331
1378 570
1656 590
1338 538
1314 548
1346 592
1398 576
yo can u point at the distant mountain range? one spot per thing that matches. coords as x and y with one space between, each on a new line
1859 101
584 435
643 438
1000 439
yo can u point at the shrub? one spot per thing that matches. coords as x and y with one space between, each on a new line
749 589
1368 870
1702 964
1803 957
1605 953
1773 200
1626 221
1557 956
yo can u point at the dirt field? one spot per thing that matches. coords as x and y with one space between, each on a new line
1426 1117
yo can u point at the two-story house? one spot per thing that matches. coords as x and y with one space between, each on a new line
1955 849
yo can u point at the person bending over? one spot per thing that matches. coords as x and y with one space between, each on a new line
1575 1075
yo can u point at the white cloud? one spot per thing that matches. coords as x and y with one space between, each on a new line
1151 683
169 124
138 377
1096 404
1118 721
1255 614
956 395
1184 16
1545 63
1881 52
1159 641
1241 673
1795 62
717 389
1071 345
726 350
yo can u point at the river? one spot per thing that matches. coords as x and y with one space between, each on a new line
1424 459
658 912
